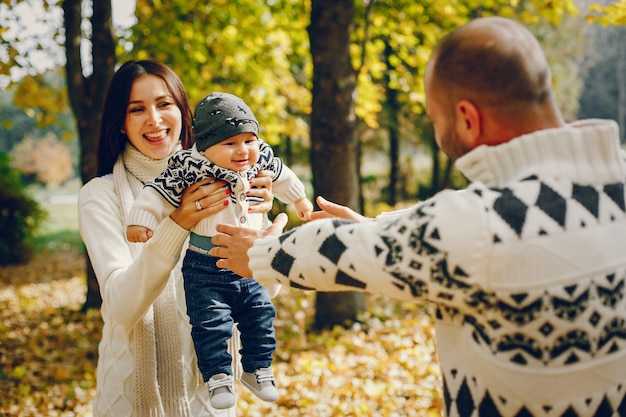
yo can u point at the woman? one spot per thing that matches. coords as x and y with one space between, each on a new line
147 365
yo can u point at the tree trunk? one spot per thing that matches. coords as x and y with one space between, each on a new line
334 146
435 171
87 94
392 107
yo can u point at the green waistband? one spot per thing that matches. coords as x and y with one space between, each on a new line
202 242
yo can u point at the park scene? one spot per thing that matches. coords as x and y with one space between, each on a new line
338 89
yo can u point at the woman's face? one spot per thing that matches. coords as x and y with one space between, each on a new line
153 120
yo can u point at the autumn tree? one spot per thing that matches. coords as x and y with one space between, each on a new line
87 92
46 160
334 145
33 105
31 34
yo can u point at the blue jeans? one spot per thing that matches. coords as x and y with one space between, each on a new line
218 298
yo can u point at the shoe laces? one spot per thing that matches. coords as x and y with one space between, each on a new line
217 383
264 375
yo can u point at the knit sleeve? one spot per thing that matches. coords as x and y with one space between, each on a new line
128 286
149 209
426 253
287 187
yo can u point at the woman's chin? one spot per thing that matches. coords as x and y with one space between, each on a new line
160 149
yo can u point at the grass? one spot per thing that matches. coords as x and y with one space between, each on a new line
60 228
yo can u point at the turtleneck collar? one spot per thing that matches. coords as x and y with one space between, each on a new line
142 167
592 144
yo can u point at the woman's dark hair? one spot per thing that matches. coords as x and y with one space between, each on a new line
112 140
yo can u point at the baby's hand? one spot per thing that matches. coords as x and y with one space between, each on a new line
136 233
304 208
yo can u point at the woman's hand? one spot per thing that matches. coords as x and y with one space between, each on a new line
333 210
202 199
262 187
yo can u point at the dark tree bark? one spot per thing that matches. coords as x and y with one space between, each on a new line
334 146
391 109
87 93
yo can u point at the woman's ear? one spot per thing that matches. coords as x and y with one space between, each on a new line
468 123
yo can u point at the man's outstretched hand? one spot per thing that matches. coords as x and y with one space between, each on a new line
328 210
233 243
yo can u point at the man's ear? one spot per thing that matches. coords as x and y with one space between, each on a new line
468 123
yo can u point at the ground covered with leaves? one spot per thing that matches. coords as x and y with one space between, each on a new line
385 365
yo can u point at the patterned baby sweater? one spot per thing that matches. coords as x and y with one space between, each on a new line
526 266
159 198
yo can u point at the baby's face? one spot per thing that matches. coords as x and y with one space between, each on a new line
237 153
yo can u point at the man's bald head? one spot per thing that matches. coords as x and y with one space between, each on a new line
494 62
486 83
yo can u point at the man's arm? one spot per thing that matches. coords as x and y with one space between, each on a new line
233 243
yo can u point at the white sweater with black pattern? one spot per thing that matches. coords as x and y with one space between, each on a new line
527 268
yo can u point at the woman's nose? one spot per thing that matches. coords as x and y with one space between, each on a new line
154 117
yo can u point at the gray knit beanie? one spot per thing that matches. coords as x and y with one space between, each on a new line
220 116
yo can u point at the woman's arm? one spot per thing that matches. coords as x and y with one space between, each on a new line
129 286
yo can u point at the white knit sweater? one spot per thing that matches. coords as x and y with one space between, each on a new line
128 288
527 268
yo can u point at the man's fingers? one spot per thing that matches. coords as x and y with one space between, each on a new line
217 251
330 209
223 263
278 225
227 229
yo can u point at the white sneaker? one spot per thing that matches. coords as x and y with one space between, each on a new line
261 383
221 391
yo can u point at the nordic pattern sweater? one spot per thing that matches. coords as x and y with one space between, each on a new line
526 266
157 201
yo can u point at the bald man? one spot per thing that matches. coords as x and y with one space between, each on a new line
526 266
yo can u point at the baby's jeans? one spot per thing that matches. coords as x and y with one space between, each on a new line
216 300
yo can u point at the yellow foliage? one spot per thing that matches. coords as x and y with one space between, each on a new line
614 14
41 100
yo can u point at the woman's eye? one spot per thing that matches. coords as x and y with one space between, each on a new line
135 110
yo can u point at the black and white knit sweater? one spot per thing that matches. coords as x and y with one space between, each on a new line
186 167
527 268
